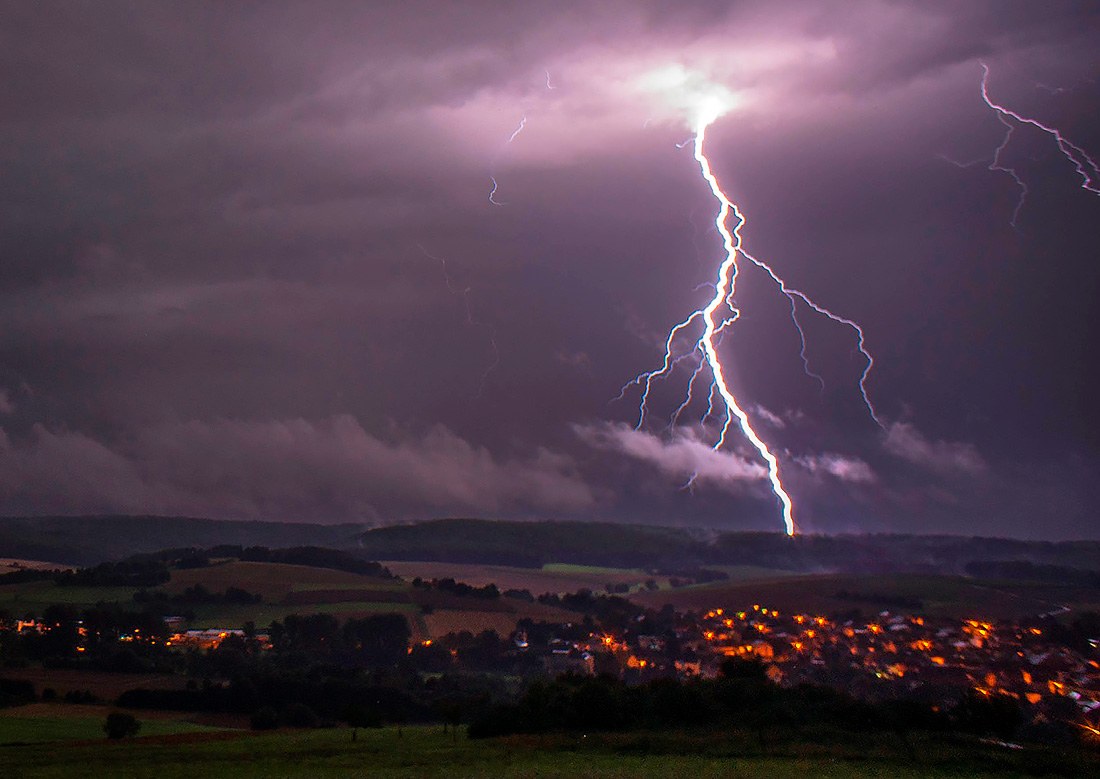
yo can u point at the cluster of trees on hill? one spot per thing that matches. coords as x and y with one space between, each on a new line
449 585
311 556
195 595
606 609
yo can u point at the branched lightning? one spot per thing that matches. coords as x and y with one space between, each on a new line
705 349
1085 165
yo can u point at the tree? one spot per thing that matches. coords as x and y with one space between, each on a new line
119 724
378 640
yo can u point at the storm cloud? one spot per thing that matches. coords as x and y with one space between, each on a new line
249 266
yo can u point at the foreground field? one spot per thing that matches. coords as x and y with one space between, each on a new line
429 752
42 726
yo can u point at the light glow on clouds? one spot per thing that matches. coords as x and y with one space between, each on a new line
603 94
681 457
848 469
292 469
945 457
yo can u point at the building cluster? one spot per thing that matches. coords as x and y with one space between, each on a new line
892 655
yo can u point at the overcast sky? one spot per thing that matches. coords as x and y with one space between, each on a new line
249 265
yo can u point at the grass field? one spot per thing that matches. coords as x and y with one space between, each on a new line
428 752
36 595
42 729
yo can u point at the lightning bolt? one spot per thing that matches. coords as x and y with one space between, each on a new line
492 165
1085 165
724 289
705 348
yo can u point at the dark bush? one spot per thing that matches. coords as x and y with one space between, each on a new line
264 719
119 724
299 715
81 696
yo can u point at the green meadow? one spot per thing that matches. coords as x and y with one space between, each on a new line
430 752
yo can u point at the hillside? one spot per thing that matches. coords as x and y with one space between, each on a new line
87 540
532 544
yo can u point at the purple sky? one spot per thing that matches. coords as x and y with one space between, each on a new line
250 268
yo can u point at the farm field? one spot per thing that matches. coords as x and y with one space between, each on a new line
272 580
429 752
555 578
948 596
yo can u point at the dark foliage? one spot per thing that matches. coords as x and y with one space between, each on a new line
1024 570
135 572
265 718
315 557
992 714
608 610
461 589
741 696
119 724
299 715
25 575
15 692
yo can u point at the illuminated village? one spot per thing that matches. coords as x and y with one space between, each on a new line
934 660
890 656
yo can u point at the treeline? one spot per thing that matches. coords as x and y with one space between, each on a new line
741 697
449 585
1024 570
311 556
608 610
196 595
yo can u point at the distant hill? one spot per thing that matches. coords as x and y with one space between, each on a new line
88 540
532 544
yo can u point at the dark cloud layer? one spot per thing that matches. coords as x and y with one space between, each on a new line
249 265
